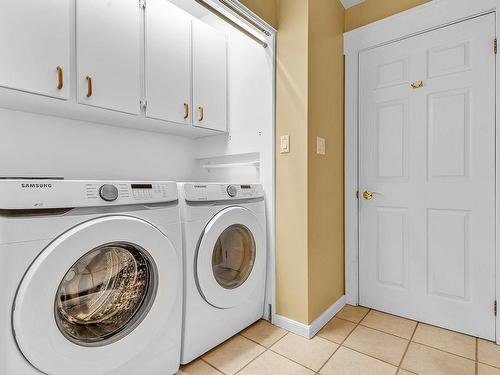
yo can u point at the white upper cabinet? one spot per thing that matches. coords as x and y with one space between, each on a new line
209 77
108 54
168 62
34 46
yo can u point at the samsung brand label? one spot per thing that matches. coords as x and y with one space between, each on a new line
36 186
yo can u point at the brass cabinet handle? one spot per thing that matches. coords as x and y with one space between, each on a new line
89 86
368 195
60 78
417 84
202 113
186 110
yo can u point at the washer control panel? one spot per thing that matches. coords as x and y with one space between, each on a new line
131 191
40 194
221 192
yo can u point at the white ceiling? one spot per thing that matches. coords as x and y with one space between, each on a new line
350 3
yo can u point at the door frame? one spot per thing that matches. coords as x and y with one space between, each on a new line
424 18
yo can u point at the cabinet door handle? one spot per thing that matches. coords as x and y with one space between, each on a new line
202 113
60 78
186 110
89 86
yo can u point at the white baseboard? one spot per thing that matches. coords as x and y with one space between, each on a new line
291 325
309 331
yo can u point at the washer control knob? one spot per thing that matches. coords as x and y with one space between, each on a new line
232 191
108 192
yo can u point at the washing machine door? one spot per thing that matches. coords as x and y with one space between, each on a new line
93 299
231 258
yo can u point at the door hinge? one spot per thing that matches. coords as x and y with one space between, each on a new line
143 104
357 195
495 46
495 308
142 4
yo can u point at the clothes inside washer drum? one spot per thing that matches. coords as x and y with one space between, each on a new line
102 293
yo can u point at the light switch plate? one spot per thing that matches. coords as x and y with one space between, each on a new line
285 144
320 146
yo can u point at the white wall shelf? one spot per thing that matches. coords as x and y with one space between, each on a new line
255 164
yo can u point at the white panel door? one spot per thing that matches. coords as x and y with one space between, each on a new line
427 153
168 62
34 46
209 77
108 54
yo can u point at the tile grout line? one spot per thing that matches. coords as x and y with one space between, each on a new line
279 354
267 348
255 342
365 354
477 356
369 355
356 325
290 359
407 347
444 351
212 366
379 330
342 343
387 333
426 345
330 357
409 341
238 334
260 355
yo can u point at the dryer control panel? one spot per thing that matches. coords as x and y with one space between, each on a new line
25 194
221 192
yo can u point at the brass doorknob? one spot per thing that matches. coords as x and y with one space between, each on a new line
368 195
417 84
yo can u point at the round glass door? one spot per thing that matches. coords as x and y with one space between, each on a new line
233 256
105 294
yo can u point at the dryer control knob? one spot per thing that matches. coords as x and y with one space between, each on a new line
108 192
232 191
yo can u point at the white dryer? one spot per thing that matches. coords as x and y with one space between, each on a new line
224 233
90 278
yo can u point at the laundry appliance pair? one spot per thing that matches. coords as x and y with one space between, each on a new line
94 274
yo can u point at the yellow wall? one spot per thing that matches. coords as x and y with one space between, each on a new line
326 172
374 10
265 9
309 196
291 169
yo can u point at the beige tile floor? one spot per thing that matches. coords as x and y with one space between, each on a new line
356 341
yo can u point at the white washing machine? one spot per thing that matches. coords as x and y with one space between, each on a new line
224 236
90 278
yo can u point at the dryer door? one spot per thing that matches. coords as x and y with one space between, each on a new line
231 258
93 299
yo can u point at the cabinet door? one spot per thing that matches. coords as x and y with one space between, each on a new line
209 77
168 62
108 53
34 46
